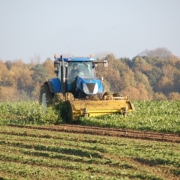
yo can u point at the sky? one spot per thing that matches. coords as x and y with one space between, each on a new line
31 29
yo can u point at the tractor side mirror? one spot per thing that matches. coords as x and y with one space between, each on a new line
105 62
94 65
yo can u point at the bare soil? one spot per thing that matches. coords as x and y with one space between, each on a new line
127 133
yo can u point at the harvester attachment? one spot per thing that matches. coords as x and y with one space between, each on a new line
90 108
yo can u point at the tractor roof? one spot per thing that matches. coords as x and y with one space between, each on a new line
77 59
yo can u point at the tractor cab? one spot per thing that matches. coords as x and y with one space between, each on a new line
77 70
74 72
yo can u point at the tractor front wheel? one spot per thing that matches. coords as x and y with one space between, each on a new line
46 97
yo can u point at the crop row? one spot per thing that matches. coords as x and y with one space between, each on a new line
40 154
161 116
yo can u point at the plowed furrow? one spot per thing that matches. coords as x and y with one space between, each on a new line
128 133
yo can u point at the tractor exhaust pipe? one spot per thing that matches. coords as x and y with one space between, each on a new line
63 77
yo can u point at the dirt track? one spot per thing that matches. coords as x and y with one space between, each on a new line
148 135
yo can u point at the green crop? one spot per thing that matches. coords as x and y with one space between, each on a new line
161 116
42 154
27 113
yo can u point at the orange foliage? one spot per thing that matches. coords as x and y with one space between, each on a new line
8 94
159 96
174 96
142 78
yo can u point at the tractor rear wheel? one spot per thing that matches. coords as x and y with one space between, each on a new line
46 97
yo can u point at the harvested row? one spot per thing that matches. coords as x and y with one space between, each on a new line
42 154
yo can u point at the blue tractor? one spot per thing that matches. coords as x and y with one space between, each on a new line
76 84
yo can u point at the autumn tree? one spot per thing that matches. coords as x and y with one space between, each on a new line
49 67
140 64
174 96
158 52
8 93
3 74
159 96
143 79
165 85
152 75
39 74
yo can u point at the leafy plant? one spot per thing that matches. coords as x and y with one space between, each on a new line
26 113
160 116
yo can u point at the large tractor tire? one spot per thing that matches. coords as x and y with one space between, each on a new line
46 97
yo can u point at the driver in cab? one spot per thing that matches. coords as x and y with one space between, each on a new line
75 71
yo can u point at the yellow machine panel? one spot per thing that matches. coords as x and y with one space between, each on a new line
89 108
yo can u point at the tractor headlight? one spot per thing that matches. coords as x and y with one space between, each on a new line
85 88
95 89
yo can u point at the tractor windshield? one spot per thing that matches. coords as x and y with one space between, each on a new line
80 68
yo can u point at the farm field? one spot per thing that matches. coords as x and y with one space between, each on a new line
142 145
28 153
159 116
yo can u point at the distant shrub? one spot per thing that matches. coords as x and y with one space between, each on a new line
174 96
159 96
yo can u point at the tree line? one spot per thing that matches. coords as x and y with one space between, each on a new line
151 75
